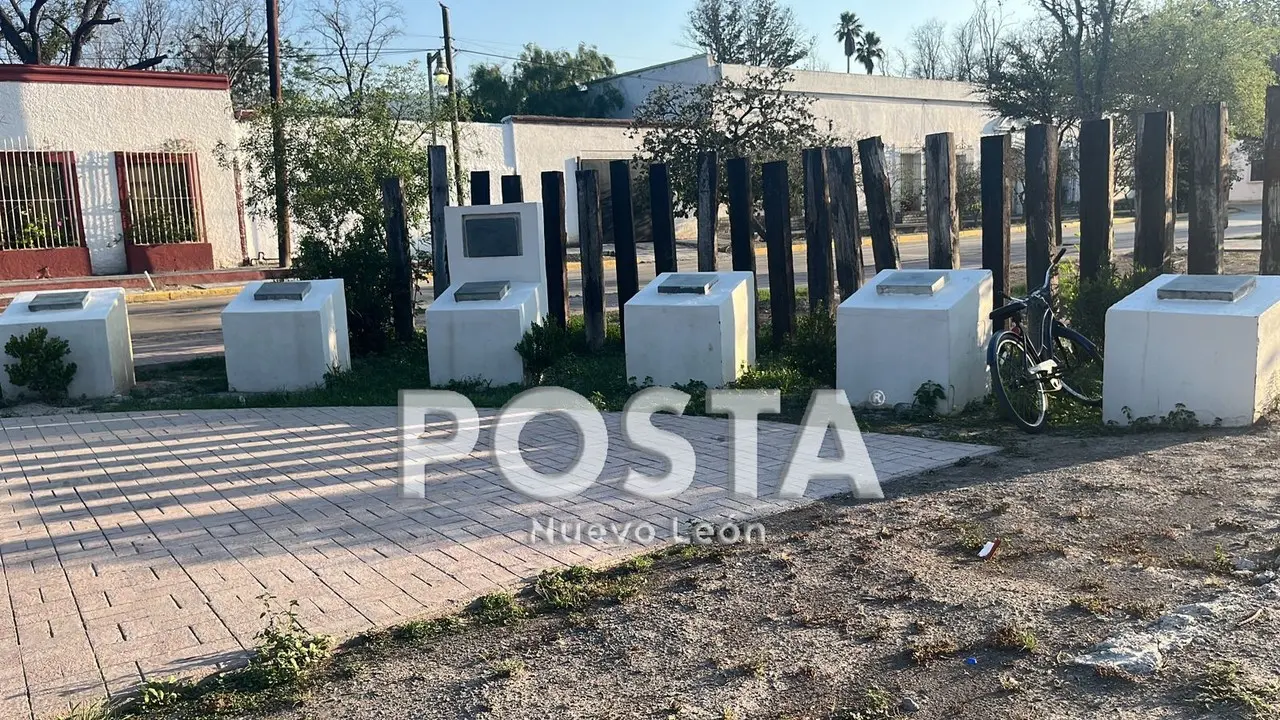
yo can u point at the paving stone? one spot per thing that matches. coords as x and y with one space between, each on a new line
138 544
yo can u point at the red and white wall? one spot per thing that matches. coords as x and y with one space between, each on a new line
106 122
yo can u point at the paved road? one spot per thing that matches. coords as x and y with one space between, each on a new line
164 332
137 544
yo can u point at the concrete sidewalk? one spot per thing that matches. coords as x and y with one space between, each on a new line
138 544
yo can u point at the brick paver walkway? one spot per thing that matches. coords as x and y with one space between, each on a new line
138 544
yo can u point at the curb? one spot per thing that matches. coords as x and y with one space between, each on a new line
151 296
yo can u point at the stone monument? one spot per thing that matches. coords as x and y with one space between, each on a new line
497 291
909 327
95 324
285 335
1210 343
692 326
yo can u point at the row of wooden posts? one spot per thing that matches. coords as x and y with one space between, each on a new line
833 255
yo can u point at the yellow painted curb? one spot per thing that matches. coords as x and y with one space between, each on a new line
184 294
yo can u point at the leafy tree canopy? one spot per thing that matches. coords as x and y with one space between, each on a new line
753 117
544 82
762 33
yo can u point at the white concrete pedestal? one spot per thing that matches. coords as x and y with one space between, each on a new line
476 339
673 338
275 345
1218 358
909 327
97 335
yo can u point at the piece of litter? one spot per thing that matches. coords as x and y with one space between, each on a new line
989 549
1257 614
971 661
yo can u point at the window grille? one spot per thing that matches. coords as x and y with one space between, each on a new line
160 200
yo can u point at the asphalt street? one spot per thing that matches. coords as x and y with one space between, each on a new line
182 329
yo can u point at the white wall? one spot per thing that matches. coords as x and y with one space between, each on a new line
636 85
1243 190
94 121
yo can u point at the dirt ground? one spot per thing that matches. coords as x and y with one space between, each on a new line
883 609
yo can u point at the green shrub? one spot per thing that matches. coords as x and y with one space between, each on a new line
40 366
498 608
1085 302
360 258
812 348
286 650
542 346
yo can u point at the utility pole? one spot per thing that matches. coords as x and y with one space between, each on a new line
453 100
277 135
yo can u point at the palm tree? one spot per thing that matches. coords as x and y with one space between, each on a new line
869 51
849 32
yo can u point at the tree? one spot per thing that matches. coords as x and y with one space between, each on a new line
962 53
1086 34
927 45
754 117
355 33
869 52
339 153
228 37
849 32
57 32
544 82
1032 82
748 32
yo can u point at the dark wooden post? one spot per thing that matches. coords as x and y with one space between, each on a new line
556 245
398 253
776 188
817 233
943 222
1269 263
1042 196
591 248
664 219
624 233
875 187
997 203
845 233
1097 191
1210 173
438 169
480 187
512 189
1153 206
738 175
708 209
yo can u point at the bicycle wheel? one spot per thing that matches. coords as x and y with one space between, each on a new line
1020 391
1079 365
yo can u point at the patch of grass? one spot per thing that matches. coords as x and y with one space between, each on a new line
498 608
927 649
99 710
1144 609
510 668
420 630
1219 564
1091 604
578 587
1226 683
160 694
970 536
1014 636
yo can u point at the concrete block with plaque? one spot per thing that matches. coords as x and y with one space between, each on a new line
285 335
686 327
497 291
909 327
1210 343
95 324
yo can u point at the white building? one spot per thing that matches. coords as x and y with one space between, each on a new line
115 171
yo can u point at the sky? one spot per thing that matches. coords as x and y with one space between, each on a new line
638 34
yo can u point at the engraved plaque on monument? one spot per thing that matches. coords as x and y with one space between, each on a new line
485 236
688 284
72 300
1219 288
912 282
295 291
482 290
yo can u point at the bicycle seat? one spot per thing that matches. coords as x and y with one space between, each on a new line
1013 308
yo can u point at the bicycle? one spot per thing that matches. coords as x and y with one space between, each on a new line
1025 373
